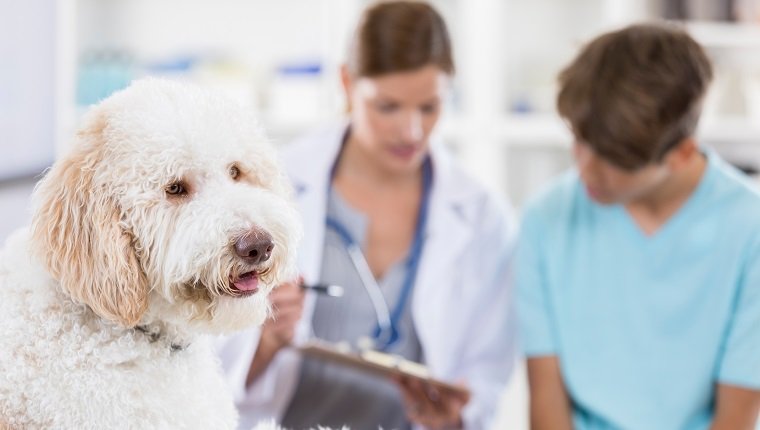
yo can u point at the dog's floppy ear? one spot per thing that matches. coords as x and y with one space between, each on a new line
77 232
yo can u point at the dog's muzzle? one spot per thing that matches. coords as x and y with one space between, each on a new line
255 246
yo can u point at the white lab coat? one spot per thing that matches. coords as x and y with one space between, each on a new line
461 302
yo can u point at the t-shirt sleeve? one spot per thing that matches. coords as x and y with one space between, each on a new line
740 362
535 319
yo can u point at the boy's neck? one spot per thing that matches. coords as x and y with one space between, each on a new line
654 210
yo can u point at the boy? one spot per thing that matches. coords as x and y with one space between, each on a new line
639 272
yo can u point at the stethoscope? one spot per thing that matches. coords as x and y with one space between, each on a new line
387 333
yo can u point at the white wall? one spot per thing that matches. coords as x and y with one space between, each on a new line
27 76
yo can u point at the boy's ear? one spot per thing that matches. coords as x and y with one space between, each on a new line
682 154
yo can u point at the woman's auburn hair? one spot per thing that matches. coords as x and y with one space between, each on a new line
398 36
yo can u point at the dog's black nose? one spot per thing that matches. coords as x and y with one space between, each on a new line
255 246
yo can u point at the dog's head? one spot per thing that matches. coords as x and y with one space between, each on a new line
170 206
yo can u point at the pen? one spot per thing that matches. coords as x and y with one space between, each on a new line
330 290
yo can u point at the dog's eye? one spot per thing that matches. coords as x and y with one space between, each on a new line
234 171
176 189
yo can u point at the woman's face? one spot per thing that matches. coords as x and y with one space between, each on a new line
392 115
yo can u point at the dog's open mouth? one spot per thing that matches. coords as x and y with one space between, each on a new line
246 284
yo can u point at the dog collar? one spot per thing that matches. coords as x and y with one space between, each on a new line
156 335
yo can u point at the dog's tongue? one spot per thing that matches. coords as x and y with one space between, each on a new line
247 283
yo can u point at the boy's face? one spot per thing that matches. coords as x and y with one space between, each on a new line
608 184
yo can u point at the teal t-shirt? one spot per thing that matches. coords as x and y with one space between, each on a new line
644 326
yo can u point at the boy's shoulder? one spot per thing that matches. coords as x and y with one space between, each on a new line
557 197
734 190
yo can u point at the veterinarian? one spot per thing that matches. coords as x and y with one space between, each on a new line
639 271
437 245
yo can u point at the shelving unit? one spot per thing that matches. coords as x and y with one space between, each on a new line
504 88
723 35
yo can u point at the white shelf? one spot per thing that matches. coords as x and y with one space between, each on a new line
725 35
728 129
534 130
510 129
547 130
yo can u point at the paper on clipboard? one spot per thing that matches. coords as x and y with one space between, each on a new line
380 364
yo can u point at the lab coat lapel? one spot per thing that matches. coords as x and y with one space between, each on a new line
309 170
449 232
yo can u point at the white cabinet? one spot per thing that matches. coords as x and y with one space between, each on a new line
731 121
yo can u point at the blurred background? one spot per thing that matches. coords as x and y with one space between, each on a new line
282 57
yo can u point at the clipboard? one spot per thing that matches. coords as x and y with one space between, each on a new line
380 364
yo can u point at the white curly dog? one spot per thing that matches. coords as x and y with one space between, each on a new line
169 220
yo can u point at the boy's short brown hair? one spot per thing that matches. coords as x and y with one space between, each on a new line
635 93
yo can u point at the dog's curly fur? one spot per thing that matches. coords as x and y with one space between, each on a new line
105 302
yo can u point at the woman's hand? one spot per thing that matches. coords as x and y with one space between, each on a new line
287 307
278 330
431 407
